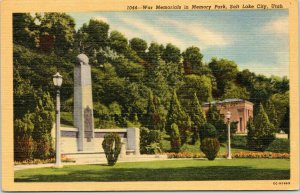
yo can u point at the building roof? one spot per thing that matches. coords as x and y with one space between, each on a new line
226 101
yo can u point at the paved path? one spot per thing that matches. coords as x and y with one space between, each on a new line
128 159
28 166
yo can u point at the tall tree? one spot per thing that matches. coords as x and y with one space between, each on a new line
118 42
285 124
225 71
139 46
43 118
150 114
25 31
272 114
179 117
62 27
252 133
281 104
198 118
153 56
215 118
192 60
171 54
93 35
263 132
175 138
201 85
235 91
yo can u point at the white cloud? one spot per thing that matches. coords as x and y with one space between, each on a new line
279 26
205 37
100 18
267 69
152 31
279 67
127 32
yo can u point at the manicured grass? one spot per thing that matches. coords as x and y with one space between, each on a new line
166 146
66 119
169 170
196 148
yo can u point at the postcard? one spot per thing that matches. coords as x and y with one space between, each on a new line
153 95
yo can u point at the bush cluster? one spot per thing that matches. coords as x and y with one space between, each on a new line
112 147
175 138
239 142
279 146
24 148
210 147
150 141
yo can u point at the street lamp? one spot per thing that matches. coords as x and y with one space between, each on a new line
57 81
228 116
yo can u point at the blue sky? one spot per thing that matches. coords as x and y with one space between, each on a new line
254 39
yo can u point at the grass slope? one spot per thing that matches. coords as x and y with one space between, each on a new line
169 170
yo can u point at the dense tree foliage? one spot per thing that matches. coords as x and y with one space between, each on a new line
178 116
225 71
135 83
139 46
25 32
261 132
198 118
61 27
175 138
93 35
192 60
154 118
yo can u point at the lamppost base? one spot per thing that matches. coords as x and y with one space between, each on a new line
229 157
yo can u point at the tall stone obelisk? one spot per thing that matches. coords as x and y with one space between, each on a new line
83 104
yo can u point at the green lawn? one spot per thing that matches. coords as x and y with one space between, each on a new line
172 170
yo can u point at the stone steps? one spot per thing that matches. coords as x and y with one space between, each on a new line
96 157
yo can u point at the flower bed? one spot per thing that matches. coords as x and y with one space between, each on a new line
245 154
260 155
45 161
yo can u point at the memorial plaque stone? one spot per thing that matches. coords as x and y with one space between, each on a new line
88 126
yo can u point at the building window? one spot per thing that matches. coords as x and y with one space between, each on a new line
241 124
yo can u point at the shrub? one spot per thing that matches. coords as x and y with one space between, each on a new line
144 133
239 141
175 138
279 146
210 147
153 148
208 131
261 133
154 136
112 147
150 141
42 147
24 148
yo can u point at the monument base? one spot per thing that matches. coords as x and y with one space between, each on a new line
99 157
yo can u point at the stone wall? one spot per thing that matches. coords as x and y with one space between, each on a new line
69 141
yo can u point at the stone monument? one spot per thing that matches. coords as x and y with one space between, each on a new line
83 142
83 104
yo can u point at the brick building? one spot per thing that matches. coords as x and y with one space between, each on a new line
241 110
